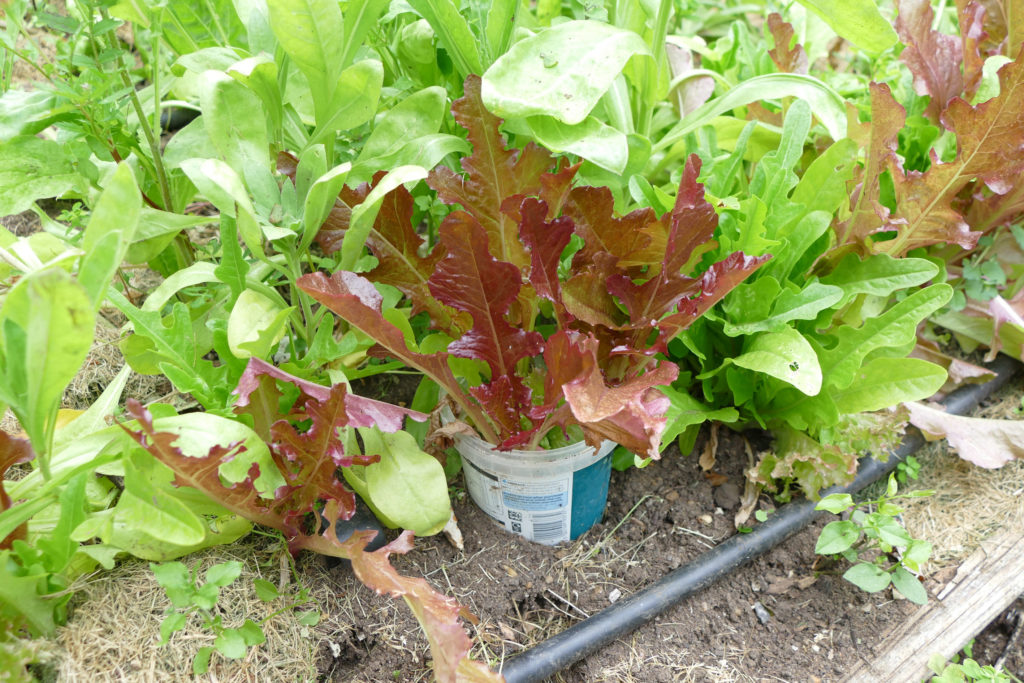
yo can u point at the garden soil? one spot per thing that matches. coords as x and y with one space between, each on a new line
813 627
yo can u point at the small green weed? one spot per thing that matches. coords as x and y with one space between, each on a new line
869 539
188 597
967 670
908 469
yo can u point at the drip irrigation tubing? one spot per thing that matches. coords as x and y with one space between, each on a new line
629 613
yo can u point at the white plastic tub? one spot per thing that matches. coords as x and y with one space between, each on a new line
545 496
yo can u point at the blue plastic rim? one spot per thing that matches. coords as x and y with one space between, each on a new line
589 496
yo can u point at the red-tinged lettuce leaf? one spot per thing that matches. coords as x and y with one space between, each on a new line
631 239
331 234
1003 25
505 399
397 247
933 58
261 400
990 148
203 473
879 137
493 173
631 413
989 136
555 186
354 299
546 241
309 462
437 613
13 451
692 91
984 442
691 222
309 459
713 285
1002 312
787 59
971 18
586 297
360 411
470 279
991 211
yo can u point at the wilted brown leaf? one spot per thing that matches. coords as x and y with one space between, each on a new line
986 443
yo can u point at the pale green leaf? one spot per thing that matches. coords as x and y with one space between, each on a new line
835 503
895 328
501 18
259 74
112 227
787 305
785 355
201 663
320 200
407 486
684 411
828 105
879 275
858 21
837 537
907 584
265 591
234 120
355 100
255 325
172 622
48 329
360 18
224 573
886 382
417 115
230 643
310 31
453 33
591 139
364 215
32 168
251 633
561 72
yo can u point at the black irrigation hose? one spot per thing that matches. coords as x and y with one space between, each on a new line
628 614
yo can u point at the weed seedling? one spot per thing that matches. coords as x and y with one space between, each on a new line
957 671
874 541
188 597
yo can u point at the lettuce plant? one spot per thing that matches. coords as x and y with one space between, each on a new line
546 309
806 348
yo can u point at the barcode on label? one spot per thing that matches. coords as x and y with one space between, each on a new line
549 528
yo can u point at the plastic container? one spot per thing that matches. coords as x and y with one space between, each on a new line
545 496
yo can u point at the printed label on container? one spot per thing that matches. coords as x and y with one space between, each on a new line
537 509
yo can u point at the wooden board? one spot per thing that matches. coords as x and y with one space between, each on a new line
985 585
